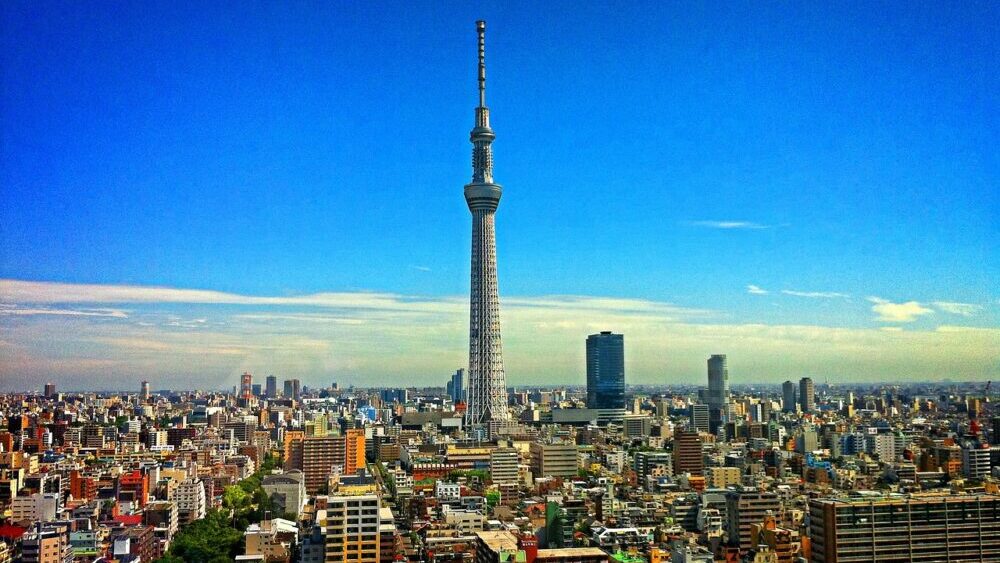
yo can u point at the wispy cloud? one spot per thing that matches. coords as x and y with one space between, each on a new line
729 225
7 309
816 294
963 309
180 338
756 290
421 268
16 291
890 312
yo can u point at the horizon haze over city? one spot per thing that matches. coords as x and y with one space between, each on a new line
801 188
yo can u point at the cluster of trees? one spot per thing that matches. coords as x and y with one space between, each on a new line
246 500
218 537
212 539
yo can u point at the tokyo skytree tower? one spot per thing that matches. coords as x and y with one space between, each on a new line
487 391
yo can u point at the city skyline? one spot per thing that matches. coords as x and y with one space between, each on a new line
135 245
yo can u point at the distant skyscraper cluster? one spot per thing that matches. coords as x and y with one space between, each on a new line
292 389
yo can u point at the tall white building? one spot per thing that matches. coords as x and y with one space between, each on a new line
446 492
190 498
883 446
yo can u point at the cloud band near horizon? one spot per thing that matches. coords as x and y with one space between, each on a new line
98 336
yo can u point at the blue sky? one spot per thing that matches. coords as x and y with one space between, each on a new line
842 159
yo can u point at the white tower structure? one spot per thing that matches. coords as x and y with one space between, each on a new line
487 390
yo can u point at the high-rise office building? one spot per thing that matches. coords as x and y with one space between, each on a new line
807 397
744 508
291 389
354 447
487 392
788 396
554 460
504 466
456 386
321 457
699 417
271 387
606 374
50 390
246 385
688 457
144 390
917 527
718 392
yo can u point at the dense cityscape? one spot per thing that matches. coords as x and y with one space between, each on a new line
278 472
476 470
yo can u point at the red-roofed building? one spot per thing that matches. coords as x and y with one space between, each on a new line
129 519
11 532
136 483
82 487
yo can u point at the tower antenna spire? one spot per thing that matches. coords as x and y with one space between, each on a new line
481 29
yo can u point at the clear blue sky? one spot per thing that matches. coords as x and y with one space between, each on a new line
273 150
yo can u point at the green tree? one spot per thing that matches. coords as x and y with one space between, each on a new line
209 540
218 537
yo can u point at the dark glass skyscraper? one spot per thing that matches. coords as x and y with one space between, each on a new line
718 391
807 397
606 371
788 396
456 386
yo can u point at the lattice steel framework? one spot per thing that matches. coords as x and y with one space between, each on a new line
487 392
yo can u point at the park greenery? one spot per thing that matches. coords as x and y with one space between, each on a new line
218 537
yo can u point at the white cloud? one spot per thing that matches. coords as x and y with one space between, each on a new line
421 268
8 309
963 309
16 291
816 294
729 225
756 290
890 312
386 339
